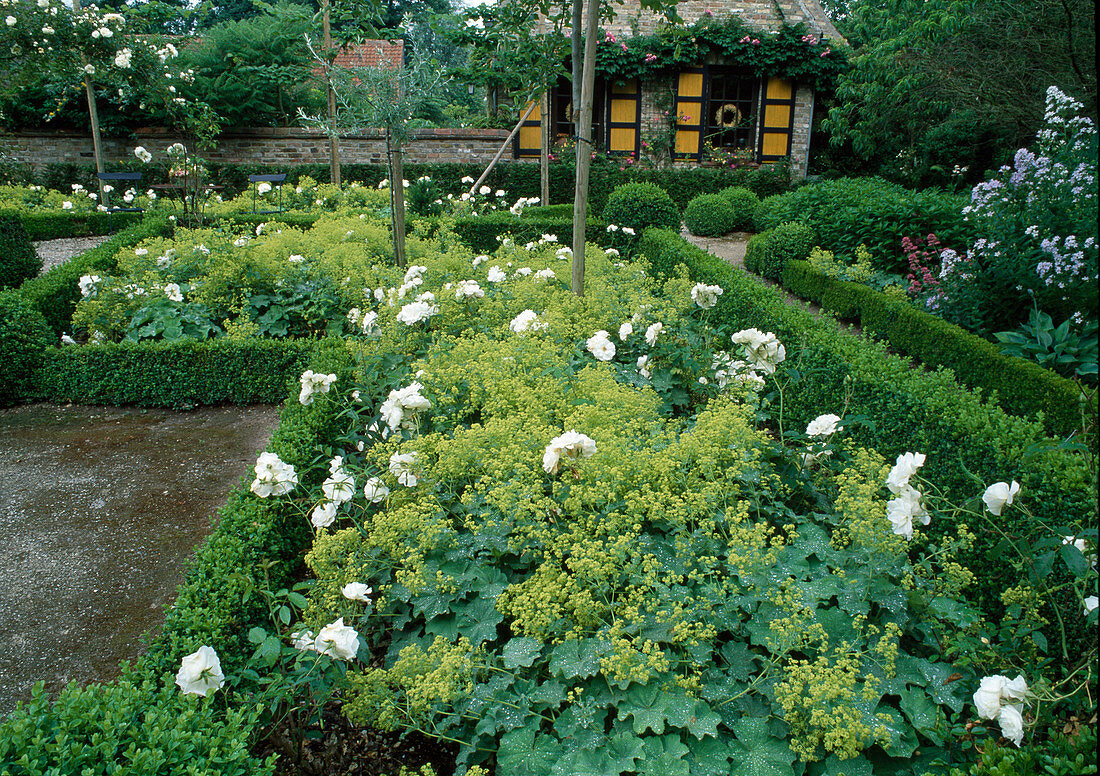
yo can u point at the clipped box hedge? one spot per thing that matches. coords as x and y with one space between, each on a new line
53 225
481 232
181 374
1022 387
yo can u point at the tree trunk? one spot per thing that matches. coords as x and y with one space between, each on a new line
93 114
397 199
333 141
544 152
575 43
584 144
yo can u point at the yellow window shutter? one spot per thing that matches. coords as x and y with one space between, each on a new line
528 142
778 120
624 106
689 109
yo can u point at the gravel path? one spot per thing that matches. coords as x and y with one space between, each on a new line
54 252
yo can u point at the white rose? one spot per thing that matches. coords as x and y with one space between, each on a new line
1012 723
496 275
999 495
904 468
304 641
571 445
987 698
601 346
705 296
653 332
822 426
904 510
375 490
173 292
338 640
357 591
625 331
401 467
1090 604
200 672
323 515
10 21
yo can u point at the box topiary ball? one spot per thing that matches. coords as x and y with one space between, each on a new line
744 202
640 205
709 215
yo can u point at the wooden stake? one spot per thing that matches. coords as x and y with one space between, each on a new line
500 153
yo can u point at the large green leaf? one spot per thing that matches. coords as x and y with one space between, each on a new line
524 753
576 658
757 753
665 756
521 652
923 713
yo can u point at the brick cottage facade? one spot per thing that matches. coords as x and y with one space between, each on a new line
764 117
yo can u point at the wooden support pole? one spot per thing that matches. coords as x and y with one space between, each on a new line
512 134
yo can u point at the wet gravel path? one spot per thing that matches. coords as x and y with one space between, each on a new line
100 508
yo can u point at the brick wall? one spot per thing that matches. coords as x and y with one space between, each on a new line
263 145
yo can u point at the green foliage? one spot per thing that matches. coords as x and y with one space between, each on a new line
24 338
787 242
756 251
963 436
254 72
56 225
137 725
1067 352
18 259
484 233
745 201
641 205
936 87
850 212
710 215
56 293
1021 388
1061 755
178 374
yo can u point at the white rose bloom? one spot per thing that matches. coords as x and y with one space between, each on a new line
66 205
357 591
484 190
323 515
522 272
370 324
480 259
173 292
625 331
415 312
987 698
200 672
304 641
468 289
545 274
122 59
314 382
375 490
466 179
526 321
705 296
904 468
10 21
643 367
999 495
1090 604
263 187
763 350
822 426
87 284
401 467
653 332
904 510
1012 723
338 640
143 154
273 477
601 346
496 275
572 445
628 230
339 487
89 69
1016 690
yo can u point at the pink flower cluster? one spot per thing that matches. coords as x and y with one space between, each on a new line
650 58
811 39
753 41
921 255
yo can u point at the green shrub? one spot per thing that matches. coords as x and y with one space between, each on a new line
1021 387
481 232
53 225
756 251
640 206
762 214
184 373
18 259
1060 755
56 293
790 241
24 337
710 215
848 212
744 202
132 726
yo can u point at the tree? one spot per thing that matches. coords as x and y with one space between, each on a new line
936 83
